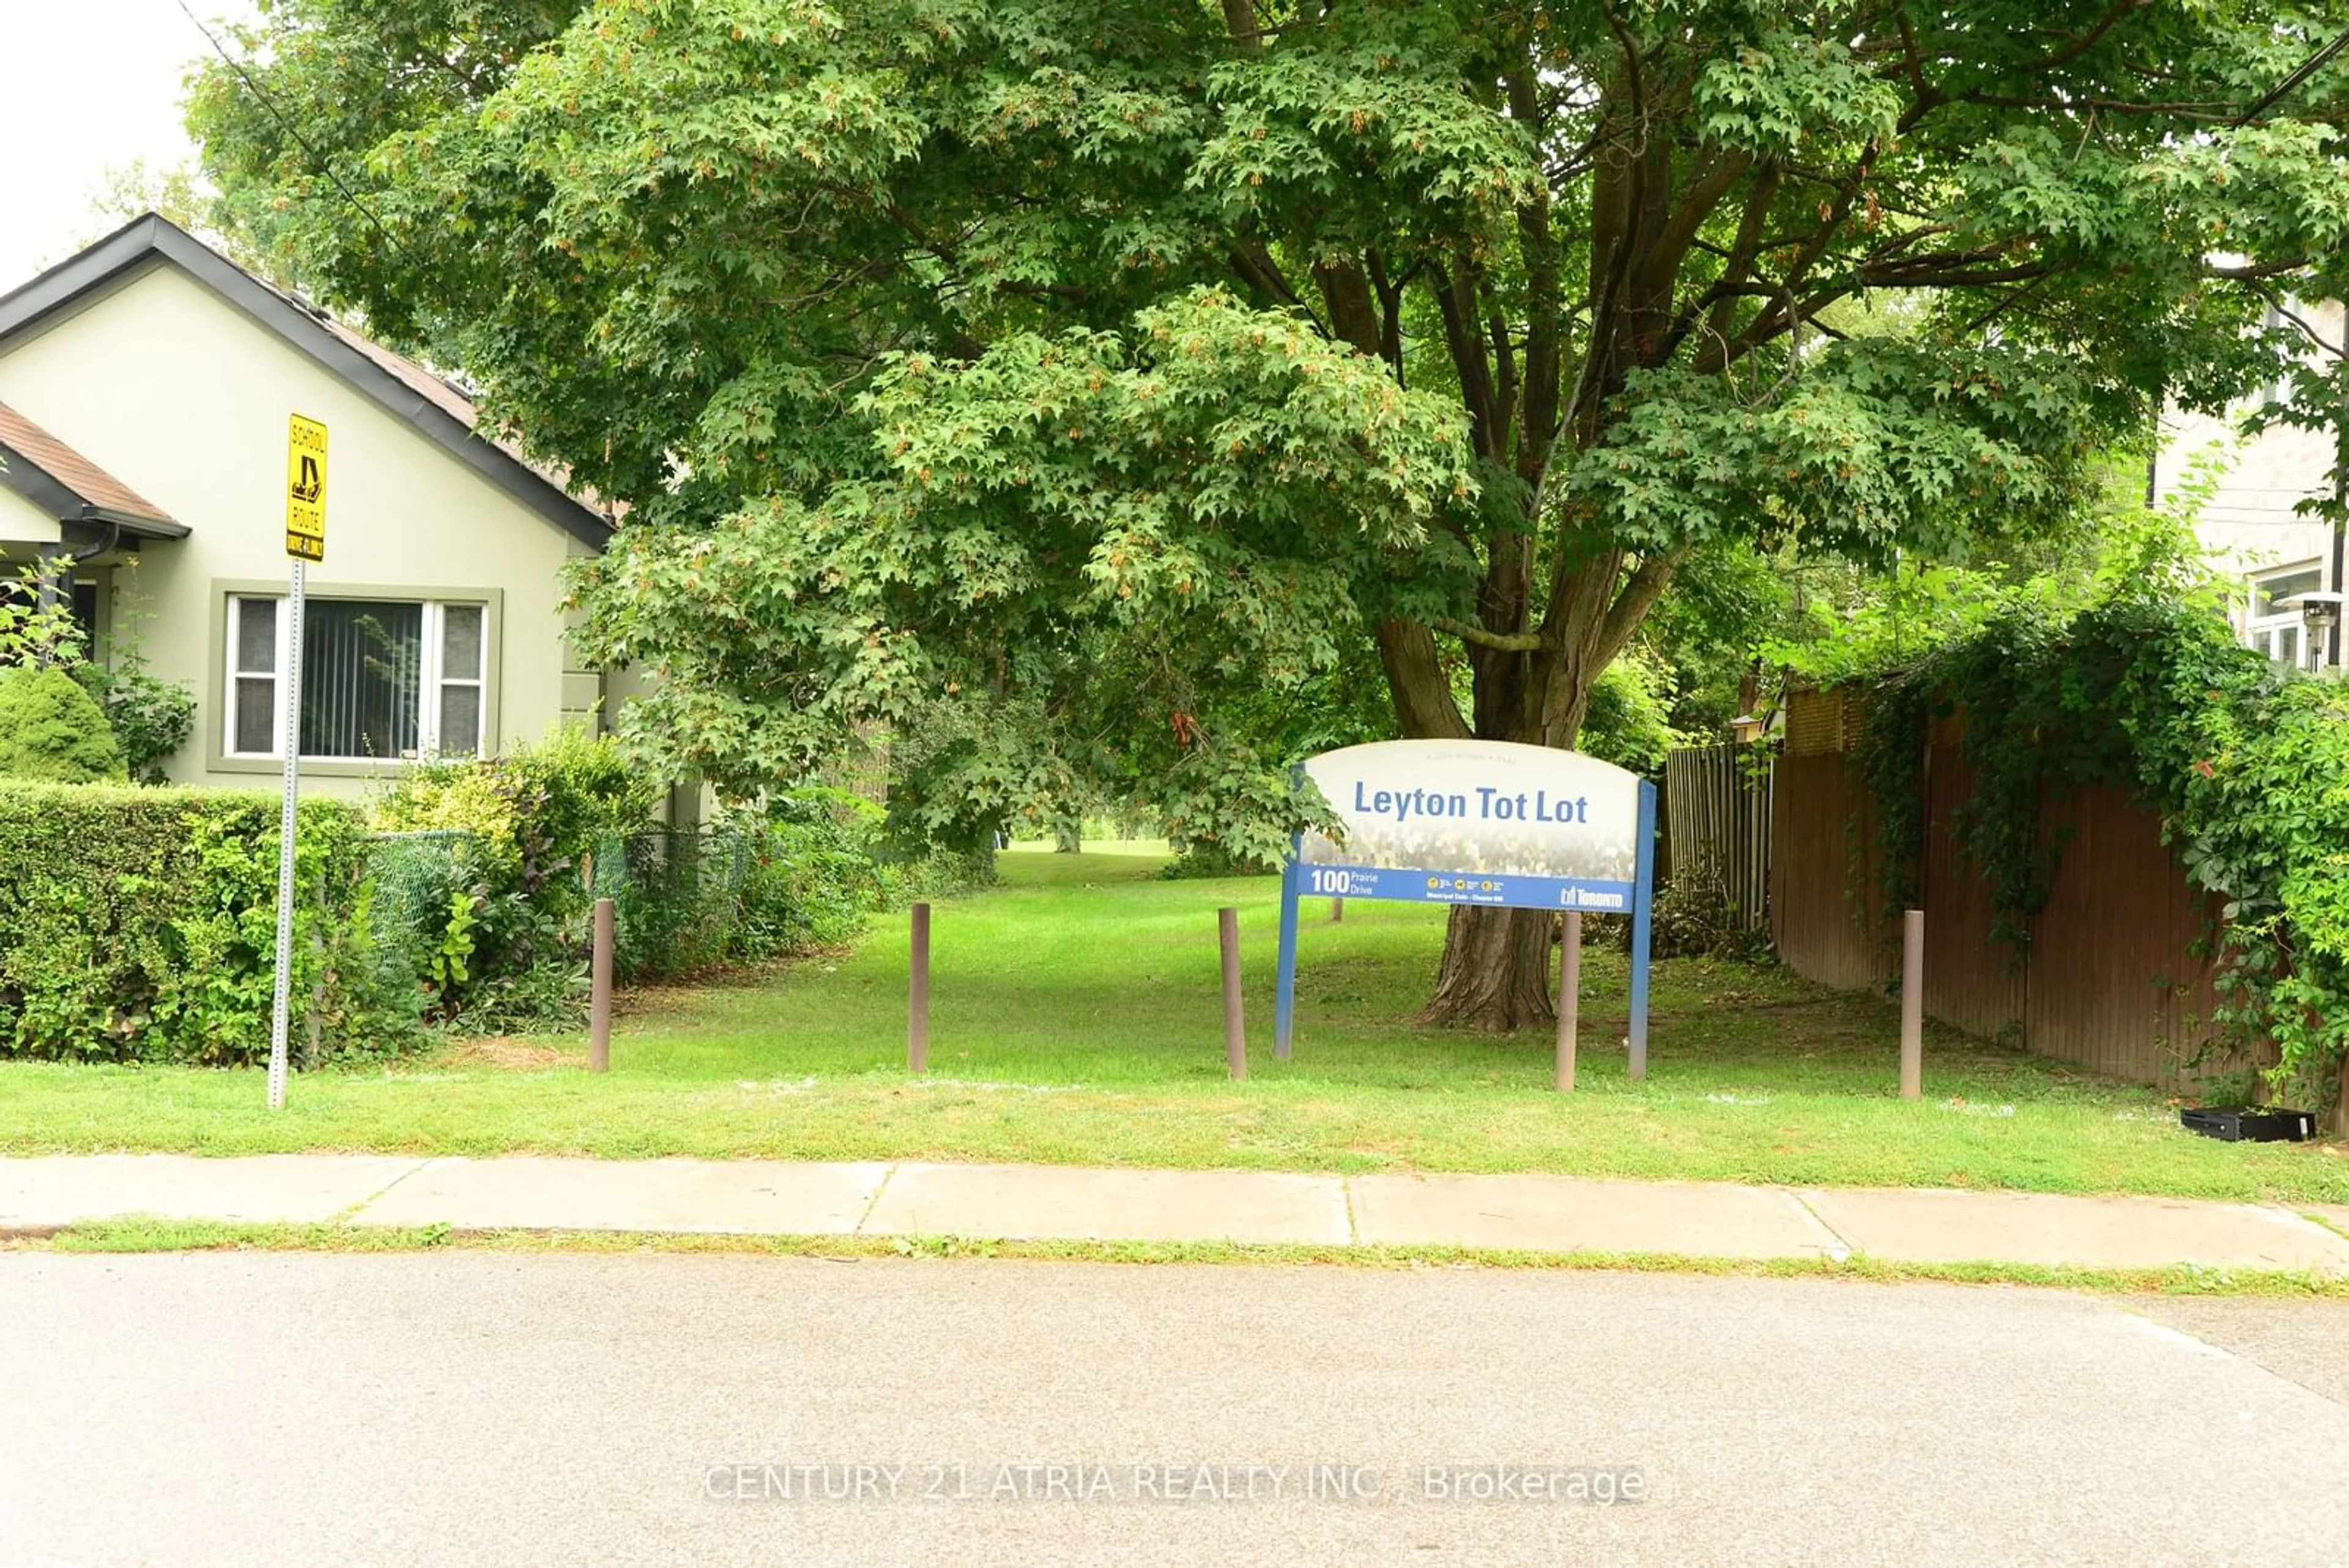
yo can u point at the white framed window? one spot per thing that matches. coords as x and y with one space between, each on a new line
2271 626
382 680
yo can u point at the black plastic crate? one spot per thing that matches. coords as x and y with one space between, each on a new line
2259 1124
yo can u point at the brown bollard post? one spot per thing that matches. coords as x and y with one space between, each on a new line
1227 930
1912 1005
1569 998
599 1016
918 1017
1337 911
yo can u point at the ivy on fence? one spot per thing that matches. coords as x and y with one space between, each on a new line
2247 765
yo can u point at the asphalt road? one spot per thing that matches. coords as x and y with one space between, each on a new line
500 1408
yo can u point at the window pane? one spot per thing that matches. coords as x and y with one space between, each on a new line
2274 589
460 720
460 641
84 611
256 636
361 677
256 701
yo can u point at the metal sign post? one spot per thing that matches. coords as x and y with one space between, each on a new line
1635 1039
1283 994
305 541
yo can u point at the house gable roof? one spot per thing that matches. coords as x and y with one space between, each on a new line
70 488
400 386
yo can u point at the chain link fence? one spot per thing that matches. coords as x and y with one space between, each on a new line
682 900
415 881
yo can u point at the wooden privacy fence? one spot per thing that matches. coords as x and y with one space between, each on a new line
2110 980
1717 819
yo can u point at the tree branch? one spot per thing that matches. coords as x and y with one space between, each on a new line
1912 59
2254 272
1953 277
1662 261
1389 300
1260 272
1502 641
1719 302
1544 371
1616 198
1415 677
1630 65
2013 298
1505 362
1640 591
1714 358
2306 331
1458 307
2086 41
2206 108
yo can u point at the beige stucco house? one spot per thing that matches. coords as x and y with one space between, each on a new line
146 386
2250 522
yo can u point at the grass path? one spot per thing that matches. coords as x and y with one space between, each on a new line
1076 1019
145 1235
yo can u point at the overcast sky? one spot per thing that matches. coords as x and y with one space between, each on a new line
85 85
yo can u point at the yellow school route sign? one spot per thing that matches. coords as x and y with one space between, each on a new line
305 490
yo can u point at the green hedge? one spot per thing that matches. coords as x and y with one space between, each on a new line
140 925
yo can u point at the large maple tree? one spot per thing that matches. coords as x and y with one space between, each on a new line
1043 382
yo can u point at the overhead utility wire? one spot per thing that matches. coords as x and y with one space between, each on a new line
316 158
2307 69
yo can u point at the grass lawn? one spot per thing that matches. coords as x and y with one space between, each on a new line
1076 1019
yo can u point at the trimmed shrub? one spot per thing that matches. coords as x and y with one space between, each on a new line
141 925
53 730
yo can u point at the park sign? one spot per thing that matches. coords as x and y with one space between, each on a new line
1487 823
1476 822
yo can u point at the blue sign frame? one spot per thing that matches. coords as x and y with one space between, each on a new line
1481 889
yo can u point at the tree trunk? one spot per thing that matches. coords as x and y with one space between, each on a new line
1497 962
1496 970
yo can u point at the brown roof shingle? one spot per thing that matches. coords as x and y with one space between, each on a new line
96 487
455 404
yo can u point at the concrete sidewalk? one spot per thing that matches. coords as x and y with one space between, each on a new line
1529 1213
